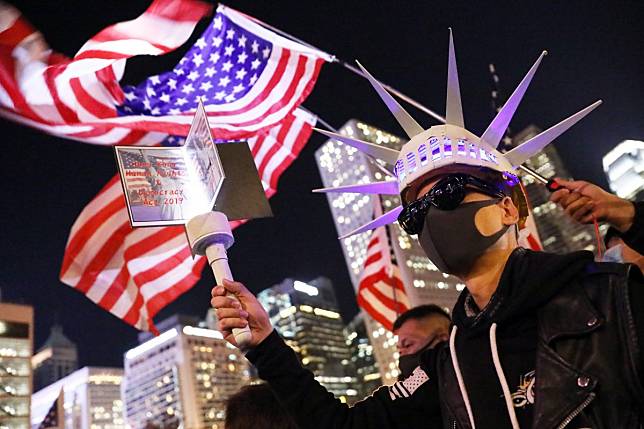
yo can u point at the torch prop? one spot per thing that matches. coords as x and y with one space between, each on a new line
201 185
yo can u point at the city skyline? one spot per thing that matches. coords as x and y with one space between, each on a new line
68 174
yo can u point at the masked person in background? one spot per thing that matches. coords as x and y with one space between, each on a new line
418 329
538 340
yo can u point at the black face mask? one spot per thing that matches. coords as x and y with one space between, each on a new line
451 240
408 363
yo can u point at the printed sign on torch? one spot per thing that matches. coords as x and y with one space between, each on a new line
201 185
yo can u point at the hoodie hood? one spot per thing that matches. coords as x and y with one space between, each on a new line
528 281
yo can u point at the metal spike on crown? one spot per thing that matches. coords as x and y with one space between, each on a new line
429 151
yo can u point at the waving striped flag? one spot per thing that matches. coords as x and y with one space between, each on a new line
78 98
381 292
133 273
249 78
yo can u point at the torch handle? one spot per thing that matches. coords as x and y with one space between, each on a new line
218 260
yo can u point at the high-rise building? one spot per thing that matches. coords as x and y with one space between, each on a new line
57 358
16 345
91 399
181 378
557 231
624 168
340 164
362 356
306 315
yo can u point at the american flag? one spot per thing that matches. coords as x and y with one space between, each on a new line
249 78
381 292
136 176
264 77
133 273
55 417
78 98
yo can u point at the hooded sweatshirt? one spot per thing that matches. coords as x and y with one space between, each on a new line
505 331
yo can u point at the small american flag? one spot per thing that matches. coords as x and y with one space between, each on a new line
136 176
381 292
55 418
133 273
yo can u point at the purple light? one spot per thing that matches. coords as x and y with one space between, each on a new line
473 150
399 169
510 179
461 147
411 162
436 151
447 147
422 152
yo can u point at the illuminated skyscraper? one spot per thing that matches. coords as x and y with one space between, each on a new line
182 378
624 168
92 399
340 164
557 231
16 345
306 315
56 359
362 356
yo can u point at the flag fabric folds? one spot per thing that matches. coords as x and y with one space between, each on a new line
248 77
251 81
55 417
133 273
381 292
70 97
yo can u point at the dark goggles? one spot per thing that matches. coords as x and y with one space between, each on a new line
447 194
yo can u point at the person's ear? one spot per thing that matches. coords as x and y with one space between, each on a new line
510 211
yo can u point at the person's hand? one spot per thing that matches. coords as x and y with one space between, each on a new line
584 202
239 314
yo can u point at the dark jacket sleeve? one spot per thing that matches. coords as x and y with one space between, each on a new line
312 406
634 237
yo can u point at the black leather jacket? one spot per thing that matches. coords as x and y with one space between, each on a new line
587 358
587 365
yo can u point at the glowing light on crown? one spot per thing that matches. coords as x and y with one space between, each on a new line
429 152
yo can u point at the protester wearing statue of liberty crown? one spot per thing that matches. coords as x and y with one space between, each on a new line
538 340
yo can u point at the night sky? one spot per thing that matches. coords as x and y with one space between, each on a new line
595 51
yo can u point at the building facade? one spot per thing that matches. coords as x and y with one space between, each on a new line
362 356
182 378
57 358
624 168
16 348
306 315
91 399
557 231
339 165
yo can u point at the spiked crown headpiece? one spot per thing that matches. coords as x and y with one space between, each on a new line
431 151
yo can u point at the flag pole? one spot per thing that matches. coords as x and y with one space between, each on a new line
346 65
389 88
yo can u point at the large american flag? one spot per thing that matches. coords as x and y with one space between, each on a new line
381 292
249 78
251 81
133 273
